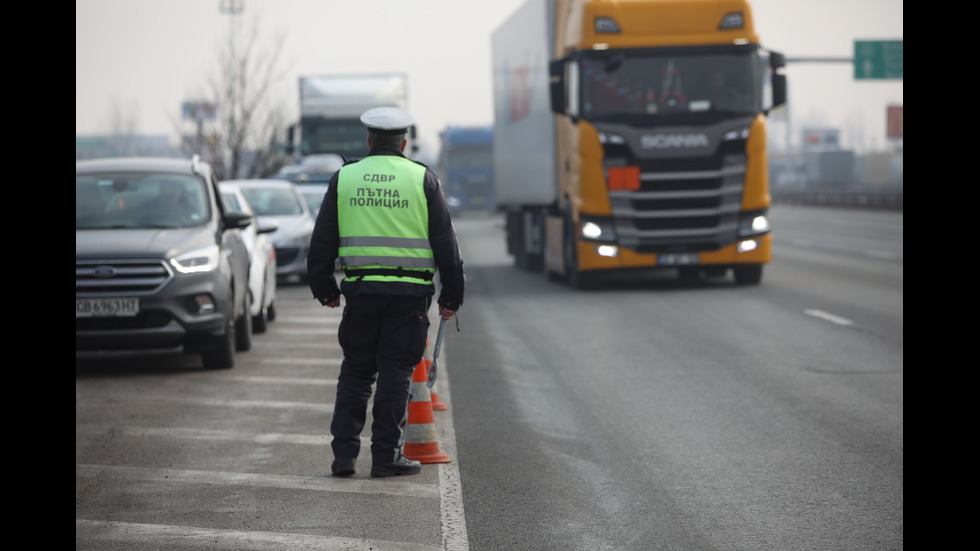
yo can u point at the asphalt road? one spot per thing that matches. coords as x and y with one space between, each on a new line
645 414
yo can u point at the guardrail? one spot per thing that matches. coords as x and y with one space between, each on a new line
864 199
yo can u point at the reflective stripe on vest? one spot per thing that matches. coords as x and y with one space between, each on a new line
384 221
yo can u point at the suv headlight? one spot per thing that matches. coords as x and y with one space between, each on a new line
197 261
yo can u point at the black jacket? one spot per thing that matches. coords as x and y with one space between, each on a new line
325 244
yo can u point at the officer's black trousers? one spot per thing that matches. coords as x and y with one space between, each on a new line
383 339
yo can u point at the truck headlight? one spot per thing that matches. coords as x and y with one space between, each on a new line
753 223
595 228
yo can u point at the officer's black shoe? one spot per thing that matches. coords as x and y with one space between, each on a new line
342 467
401 466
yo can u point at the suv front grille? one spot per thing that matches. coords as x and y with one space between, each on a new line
116 278
143 320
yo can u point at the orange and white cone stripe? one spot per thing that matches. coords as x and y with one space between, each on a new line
421 442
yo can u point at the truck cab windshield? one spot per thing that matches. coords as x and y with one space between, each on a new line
346 137
646 83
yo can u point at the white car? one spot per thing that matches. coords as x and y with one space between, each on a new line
313 193
262 256
312 169
281 202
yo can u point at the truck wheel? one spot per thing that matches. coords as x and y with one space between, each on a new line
220 354
243 326
517 249
548 273
535 262
750 274
520 258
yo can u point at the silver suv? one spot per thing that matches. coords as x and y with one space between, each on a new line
159 260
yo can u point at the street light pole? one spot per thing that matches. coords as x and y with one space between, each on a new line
232 8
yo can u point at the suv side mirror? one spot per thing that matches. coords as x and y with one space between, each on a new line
237 219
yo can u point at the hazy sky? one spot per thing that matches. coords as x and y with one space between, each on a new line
140 59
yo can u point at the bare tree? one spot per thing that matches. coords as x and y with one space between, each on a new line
243 137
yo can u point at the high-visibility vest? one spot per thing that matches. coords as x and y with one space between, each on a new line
383 219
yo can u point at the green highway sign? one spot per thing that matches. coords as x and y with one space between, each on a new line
878 59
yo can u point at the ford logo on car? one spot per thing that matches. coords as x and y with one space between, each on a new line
103 272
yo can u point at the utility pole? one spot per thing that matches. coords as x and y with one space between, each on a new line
232 8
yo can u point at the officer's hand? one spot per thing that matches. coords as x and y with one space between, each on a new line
333 303
446 313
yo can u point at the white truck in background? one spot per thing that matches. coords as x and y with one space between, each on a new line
330 108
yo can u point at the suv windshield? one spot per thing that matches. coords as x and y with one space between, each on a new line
139 200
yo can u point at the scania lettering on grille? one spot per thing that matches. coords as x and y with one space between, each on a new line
673 141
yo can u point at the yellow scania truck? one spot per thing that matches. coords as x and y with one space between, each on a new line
631 134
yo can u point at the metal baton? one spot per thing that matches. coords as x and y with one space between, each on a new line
435 353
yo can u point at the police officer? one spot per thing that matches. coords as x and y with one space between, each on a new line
386 219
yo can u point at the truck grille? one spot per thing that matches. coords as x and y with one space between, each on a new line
116 278
682 205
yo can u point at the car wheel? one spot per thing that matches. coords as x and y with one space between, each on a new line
243 329
259 322
220 354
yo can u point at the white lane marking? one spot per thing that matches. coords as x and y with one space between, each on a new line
229 540
828 317
302 361
302 319
286 381
328 345
222 435
321 483
291 331
242 404
454 535
238 404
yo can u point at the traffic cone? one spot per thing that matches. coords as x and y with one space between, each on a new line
420 432
436 404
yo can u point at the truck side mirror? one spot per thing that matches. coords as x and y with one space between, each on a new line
778 63
556 71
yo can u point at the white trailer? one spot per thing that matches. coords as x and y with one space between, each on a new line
524 127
